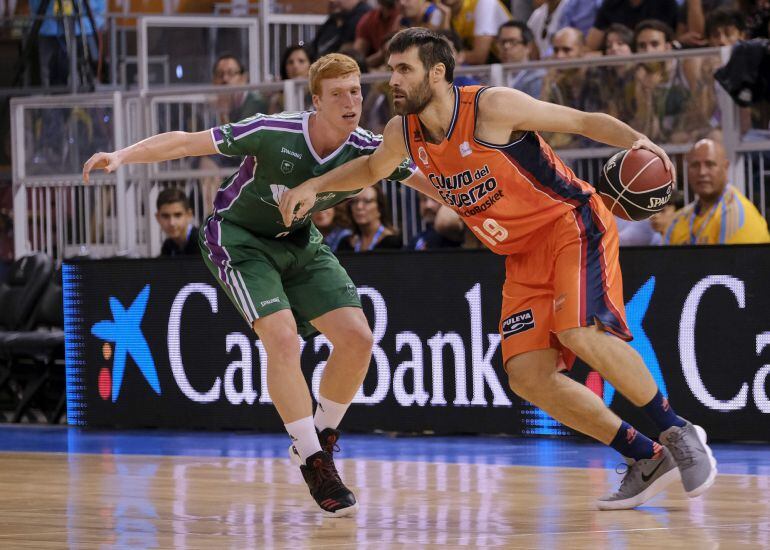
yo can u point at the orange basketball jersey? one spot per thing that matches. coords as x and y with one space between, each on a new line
505 193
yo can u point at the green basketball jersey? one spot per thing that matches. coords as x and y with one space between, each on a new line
278 156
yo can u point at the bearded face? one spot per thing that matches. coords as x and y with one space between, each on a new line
412 100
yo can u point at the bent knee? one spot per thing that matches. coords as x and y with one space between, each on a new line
355 338
522 382
278 336
573 338
529 374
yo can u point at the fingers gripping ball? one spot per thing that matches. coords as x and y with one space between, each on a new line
634 184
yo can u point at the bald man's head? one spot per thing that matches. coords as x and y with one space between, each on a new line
707 166
568 43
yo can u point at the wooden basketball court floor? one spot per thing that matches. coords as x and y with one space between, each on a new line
67 488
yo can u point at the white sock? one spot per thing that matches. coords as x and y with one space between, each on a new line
328 414
304 437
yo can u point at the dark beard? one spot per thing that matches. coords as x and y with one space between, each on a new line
414 105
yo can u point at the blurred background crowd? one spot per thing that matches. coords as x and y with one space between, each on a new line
63 45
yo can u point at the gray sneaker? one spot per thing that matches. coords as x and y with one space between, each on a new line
644 479
693 457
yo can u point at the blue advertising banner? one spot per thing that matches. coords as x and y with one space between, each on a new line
156 343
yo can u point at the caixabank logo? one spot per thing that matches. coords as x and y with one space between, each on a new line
125 346
703 332
123 338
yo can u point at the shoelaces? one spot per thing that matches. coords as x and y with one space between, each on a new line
683 453
331 444
324 472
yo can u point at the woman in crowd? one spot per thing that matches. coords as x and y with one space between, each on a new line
371 231
609 89
295 63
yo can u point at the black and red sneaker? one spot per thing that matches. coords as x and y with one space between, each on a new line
326 487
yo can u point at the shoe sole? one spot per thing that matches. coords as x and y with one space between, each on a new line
672 476
706 485
342 512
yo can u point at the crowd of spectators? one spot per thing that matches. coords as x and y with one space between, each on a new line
669 100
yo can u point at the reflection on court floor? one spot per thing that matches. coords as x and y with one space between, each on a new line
67 488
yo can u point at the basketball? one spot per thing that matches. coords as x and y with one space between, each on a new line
634 184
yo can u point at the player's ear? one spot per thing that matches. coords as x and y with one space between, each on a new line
316 101
438 71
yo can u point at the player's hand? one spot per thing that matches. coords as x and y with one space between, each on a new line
295 203
109 162
645 143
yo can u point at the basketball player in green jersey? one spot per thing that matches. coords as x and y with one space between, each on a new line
283 280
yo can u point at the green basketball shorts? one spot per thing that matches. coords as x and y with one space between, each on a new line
262 275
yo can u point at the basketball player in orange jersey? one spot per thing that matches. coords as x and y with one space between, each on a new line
480 149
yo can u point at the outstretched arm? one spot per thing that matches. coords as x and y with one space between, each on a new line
420 183
360 172
167 146
500 117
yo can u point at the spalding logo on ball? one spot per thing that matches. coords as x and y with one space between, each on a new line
634 184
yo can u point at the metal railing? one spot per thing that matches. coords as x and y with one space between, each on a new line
249 43
270 35
280 31
54 211
52 137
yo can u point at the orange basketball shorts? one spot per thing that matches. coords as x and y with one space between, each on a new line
569 278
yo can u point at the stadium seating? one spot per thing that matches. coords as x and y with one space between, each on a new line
32 342
26 282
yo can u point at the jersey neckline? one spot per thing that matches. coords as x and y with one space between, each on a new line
455 115
309 143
